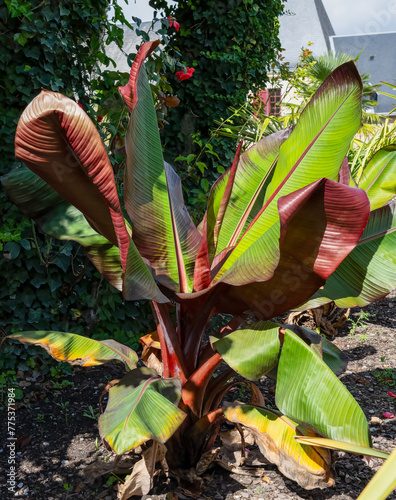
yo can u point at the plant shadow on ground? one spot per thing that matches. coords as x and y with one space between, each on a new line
52 455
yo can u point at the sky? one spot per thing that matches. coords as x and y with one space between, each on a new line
348 17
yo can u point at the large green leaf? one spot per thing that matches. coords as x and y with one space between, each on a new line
320 225
78 350
369 272
316 148
161 226
308 392
383 483
309 467
57 140
379 177
251 351
141 406
248 185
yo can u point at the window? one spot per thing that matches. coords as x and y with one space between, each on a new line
271 99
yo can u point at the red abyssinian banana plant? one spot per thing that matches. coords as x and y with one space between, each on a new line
284 225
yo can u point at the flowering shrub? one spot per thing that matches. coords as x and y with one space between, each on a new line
181 75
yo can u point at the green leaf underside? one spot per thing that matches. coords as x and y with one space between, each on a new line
78 350
379 178
57 218
162 230
252 176
315 149
383 483
274 434
335 359
332 444
308 392
251 351
368 273
138 281
141 407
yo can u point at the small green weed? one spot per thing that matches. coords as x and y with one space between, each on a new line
386 376
63 407
91 413
39 418
62 385
361 322
113 479
363 338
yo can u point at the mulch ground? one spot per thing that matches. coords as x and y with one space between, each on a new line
56 441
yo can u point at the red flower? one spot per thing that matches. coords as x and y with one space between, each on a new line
387 414
173 22
180 75
99 118
391 394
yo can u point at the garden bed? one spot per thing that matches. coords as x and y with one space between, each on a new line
57 442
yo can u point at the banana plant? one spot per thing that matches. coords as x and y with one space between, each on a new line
280 224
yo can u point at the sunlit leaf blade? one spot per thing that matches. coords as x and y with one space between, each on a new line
309 467
59 142
320 225
316 147
310 393
345 211
78 350
253 174
379 177
161 227
141 406
252 350
383 483
332 444
369 271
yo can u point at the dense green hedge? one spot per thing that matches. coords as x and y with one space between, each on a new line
231 44
45 284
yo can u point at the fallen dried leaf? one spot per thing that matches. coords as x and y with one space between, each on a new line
206 460
140 481
266 479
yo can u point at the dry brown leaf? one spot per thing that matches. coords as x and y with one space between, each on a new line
257 398
99 468
151 357
266 479
206 460
140 481
232 458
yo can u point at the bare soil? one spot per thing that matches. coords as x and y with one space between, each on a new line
56 442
